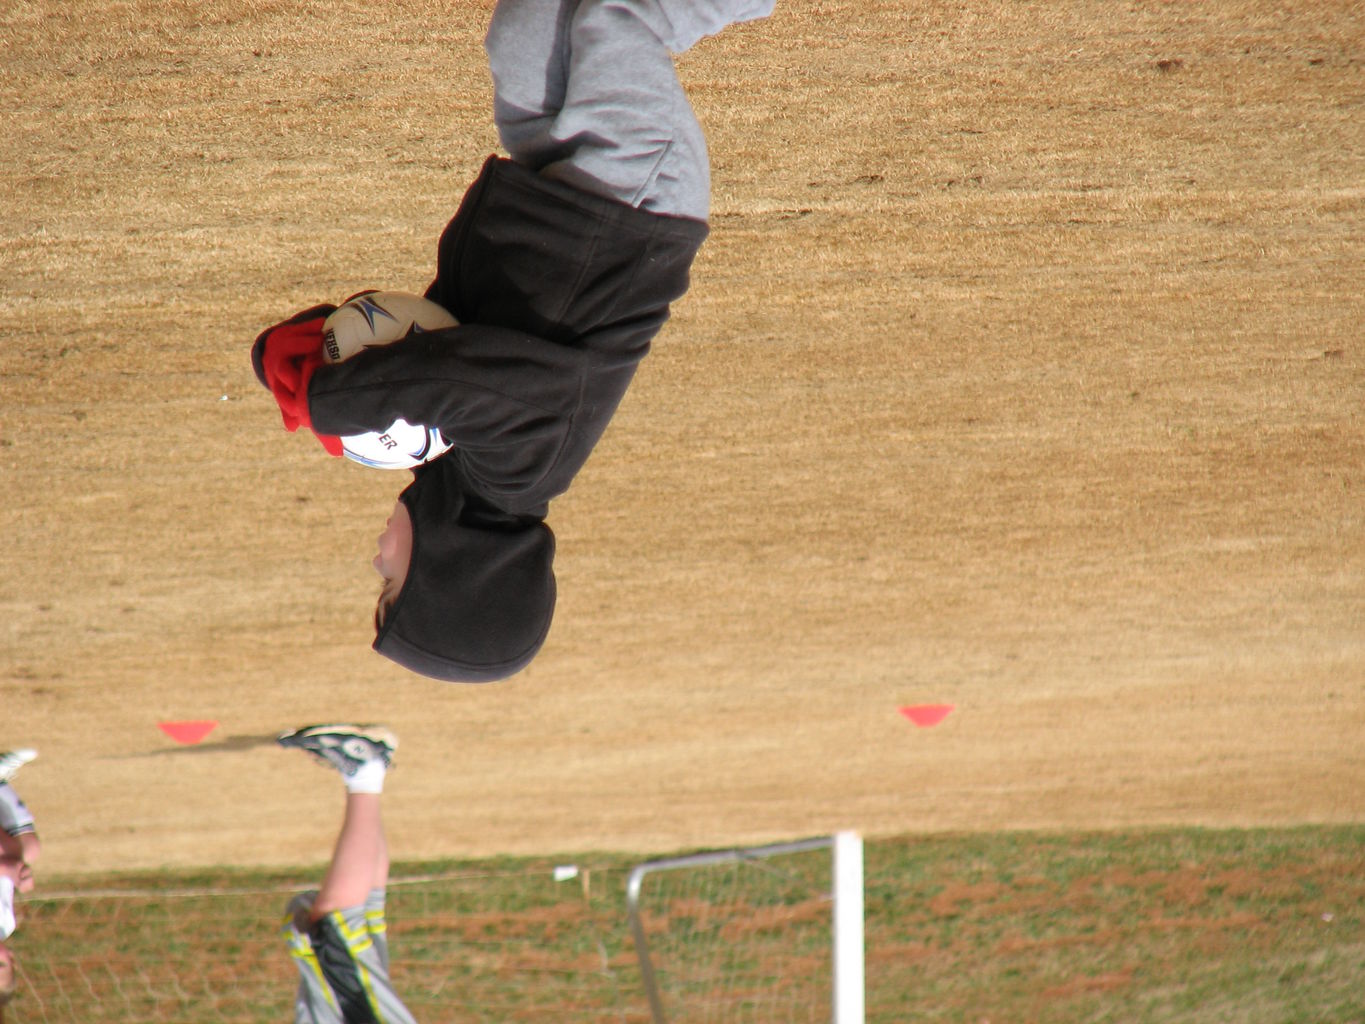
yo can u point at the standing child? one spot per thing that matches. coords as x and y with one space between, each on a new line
560 266
19 851
337 935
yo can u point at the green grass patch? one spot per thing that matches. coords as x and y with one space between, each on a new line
1183 925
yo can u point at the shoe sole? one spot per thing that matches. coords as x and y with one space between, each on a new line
12 760
381 743
375 734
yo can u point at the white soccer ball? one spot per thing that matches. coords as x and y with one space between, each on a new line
382 318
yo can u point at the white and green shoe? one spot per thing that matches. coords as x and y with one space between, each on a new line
343 747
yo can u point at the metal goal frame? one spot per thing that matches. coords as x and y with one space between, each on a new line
847 888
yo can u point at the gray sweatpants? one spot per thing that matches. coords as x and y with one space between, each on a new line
584 91
15 818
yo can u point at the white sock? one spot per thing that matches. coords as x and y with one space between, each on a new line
369 778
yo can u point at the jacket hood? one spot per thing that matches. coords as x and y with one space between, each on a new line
478 598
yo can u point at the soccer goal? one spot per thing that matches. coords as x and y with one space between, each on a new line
762 934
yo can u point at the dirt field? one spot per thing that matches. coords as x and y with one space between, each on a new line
1022 372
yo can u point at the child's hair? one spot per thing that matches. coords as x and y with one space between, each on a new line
387 596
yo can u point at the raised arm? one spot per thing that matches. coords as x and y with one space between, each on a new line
522 413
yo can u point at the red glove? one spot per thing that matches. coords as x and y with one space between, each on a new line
286 357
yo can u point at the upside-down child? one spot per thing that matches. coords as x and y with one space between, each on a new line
560 266
337 935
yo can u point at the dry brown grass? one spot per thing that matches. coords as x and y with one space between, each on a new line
1021 372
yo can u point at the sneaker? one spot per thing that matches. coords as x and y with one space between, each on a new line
12 760
343 747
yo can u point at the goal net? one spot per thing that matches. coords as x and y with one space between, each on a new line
467 946
488 941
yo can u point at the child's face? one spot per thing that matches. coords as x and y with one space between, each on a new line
395 546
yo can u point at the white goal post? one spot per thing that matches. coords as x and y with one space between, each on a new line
700 960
